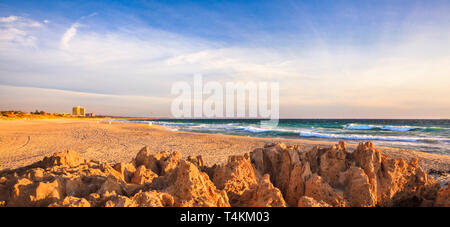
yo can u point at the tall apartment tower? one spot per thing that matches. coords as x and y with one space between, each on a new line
78 111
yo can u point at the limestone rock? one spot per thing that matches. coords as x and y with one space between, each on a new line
235 177
276 175
49 191
120 201
21 192
29 193
170 163
306 201
76 187
111 186
68 158
143 157
443 198
358 190
160 163
298 176
190 187
107 170
126 170
262 194
143 175
332 163
267 160
153 199
36 174
71 201
289 158
313 158
394 181
198 161
318 189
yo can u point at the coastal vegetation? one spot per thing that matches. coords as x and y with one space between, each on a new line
38 114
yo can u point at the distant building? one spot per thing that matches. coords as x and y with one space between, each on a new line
90 115
78 111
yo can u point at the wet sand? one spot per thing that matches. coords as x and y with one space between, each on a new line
23 142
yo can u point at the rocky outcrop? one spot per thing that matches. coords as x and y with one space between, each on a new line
338 177
393 182
142 199
143 175
297 181
71 201
191 187
160 163
153 199
443 198
25 192
127 170
306 201
317 188
244 187
262 194
358 189
276 175
67 158
235 177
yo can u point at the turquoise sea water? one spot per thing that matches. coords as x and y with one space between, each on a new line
431 136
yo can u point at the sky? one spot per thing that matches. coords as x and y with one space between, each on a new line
333 59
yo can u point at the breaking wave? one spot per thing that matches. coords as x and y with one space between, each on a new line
421 135
368 137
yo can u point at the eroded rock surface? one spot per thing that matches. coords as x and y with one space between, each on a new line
276 175
191 187
235 177
338 177
443 198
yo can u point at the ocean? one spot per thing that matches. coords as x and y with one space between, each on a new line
431 136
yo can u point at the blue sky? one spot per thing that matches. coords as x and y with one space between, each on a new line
238 22
373 58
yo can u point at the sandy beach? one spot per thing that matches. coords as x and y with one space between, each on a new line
23 142
158 175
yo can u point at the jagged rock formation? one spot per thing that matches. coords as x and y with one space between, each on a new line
245 187
276 175
443 198
306 201
338 177
191 187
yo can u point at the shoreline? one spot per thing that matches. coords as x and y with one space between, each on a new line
23 142
420 135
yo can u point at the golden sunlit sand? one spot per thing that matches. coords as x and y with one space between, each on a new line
23 142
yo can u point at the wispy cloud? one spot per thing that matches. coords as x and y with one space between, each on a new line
68 35
72 31
8 19
15 29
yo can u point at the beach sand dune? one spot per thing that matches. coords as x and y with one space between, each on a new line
23 142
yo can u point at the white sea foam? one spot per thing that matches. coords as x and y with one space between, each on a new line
381 127
428 139
367 137
253 129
